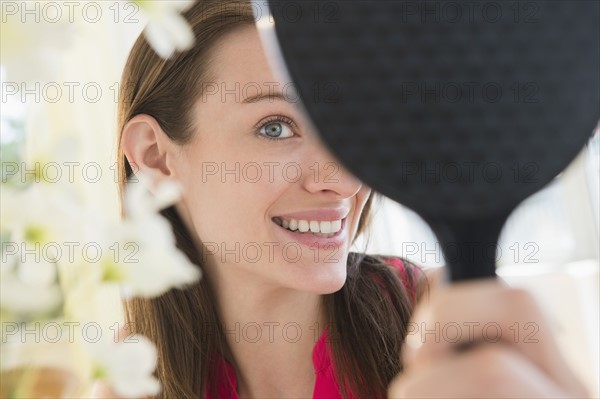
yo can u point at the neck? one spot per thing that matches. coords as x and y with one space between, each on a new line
271 332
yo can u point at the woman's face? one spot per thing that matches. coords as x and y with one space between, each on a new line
255 171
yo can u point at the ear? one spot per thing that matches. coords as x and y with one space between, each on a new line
147 147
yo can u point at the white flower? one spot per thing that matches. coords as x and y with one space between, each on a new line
39 213
139 202
36 221
148 262
127 366
20 298
167 30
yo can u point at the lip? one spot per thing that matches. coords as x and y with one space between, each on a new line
312 241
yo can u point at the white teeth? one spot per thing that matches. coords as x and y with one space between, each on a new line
322 229
336 225
314 226
302 226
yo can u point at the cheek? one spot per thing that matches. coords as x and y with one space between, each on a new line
229 206
362 197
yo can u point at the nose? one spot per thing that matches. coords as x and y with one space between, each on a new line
324 173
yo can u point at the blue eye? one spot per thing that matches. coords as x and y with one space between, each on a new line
276 128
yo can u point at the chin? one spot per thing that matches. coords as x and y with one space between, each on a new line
328 279
334 286
321 288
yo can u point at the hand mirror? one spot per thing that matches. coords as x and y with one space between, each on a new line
457 110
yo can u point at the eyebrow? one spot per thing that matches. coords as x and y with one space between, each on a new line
263 97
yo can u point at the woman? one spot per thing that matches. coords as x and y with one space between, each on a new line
283 309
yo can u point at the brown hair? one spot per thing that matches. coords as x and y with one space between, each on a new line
369 321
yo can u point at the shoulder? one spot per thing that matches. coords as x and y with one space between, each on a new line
422 279
409 272
415 279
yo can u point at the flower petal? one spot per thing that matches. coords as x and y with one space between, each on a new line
159 40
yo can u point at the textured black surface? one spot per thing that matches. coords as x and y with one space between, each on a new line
458 110
413 108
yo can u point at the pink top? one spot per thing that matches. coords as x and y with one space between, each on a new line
326 385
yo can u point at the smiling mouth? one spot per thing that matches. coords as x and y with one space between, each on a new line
323 228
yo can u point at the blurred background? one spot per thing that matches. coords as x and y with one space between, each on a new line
549 246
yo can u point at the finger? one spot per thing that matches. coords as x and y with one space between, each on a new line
485 312
484 372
